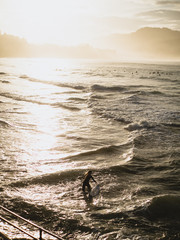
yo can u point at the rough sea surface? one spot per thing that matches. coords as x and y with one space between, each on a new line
61 118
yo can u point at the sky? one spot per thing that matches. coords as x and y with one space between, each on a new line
74 22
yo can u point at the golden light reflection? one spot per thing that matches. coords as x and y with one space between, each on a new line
46 121
47 143
43 140
47 69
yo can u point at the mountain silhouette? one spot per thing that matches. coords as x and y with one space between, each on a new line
148 43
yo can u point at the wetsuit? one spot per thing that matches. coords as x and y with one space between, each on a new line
86 182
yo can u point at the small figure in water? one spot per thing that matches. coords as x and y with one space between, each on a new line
87 178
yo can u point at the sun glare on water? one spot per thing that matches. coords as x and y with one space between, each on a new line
46 120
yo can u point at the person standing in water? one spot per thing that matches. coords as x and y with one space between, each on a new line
87 178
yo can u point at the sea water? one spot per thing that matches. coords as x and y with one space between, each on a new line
61 118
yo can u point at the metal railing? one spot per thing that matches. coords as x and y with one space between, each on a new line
41 230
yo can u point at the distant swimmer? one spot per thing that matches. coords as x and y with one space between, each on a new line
87 178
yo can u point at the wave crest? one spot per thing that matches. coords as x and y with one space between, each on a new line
138 126
99 88
164 206
4 124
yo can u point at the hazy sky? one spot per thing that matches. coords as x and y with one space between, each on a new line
71 22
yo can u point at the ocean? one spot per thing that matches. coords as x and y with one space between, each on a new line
61 118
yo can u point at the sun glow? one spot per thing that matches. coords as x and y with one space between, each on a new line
82 28
45 21
63 22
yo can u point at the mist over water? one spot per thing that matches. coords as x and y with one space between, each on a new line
60 118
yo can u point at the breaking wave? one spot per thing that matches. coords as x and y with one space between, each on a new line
100 88
4 124
64 85
65 106
138 126
165 206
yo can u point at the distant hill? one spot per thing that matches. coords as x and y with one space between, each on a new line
148 43
145 42
12 46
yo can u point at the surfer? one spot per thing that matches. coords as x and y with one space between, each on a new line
87 178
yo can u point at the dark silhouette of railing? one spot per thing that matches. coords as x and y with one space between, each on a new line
41 230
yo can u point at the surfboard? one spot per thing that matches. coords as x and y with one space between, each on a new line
95 191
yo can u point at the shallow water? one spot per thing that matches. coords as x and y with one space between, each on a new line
60 118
